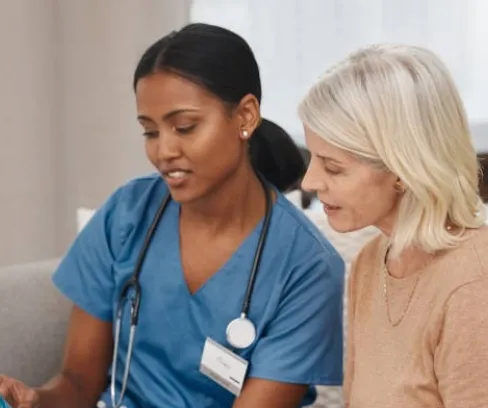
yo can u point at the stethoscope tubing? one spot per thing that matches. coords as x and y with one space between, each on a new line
133 284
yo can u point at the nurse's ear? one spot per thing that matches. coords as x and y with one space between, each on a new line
248 116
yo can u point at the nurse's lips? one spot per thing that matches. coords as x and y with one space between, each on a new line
176 177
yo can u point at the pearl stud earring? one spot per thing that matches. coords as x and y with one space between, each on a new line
245 134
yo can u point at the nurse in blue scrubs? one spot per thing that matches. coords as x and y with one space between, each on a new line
198 96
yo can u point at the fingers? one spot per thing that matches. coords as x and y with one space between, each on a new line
17 394
5 389
24 396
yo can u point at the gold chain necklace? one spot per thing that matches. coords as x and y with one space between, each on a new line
385 292
449 227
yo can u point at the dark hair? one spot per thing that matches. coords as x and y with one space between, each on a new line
306 197
223 63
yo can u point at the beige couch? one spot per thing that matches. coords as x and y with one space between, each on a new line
34 316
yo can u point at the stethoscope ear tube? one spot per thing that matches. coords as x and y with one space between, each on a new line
147 239
259 249
134 298
134 314
135 302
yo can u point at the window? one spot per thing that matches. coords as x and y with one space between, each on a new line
295 41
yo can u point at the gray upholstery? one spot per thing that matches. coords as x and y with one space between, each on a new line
33 321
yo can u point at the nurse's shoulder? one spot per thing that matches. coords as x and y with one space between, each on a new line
84 275
303 340
304 239
132 204
136 196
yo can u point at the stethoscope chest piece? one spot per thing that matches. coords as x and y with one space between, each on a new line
241 333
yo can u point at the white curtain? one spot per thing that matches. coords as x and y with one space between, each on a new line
295 41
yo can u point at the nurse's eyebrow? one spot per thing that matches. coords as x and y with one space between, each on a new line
168 115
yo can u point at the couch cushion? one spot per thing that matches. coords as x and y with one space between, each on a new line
83 216
33 321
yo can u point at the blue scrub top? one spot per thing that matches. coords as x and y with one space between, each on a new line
296 304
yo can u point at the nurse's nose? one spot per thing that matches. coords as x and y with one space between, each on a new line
168 147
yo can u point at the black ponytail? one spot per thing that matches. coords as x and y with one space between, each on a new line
275 155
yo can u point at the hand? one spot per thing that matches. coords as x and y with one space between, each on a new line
17 394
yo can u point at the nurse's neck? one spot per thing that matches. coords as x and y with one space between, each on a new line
238 204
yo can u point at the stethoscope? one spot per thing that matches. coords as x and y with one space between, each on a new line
240 333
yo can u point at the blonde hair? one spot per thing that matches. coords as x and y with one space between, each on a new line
398 108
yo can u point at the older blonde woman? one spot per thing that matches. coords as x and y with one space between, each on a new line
391 148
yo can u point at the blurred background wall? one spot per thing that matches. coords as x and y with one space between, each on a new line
68 133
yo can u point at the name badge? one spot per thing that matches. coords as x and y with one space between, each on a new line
223 366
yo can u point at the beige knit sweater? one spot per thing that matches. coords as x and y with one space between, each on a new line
438 355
